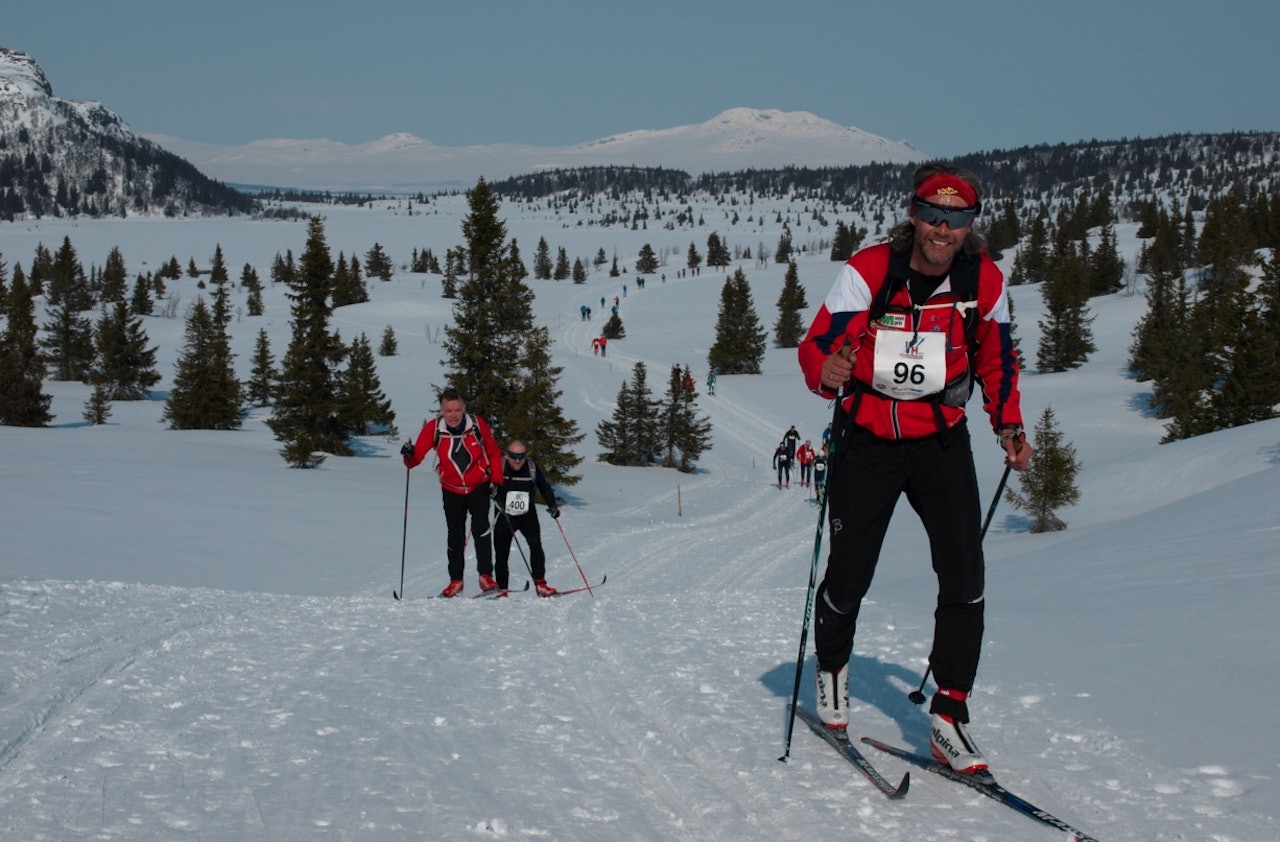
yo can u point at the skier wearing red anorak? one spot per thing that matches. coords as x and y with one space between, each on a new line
468 462
905 332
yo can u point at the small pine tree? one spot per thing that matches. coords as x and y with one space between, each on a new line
685 434
388 347
1049 482
205 393
141 303
613 328
22 401
377 263
740 341
262 379
647 262
124 367
306 418
631 436
218 271
362 407
789 329
97 409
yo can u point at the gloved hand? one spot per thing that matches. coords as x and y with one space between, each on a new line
553 510
407 450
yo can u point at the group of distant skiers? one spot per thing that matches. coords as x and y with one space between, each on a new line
812 464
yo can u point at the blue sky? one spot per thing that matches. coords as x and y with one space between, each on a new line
949 78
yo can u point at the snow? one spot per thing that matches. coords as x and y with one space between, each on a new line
197 641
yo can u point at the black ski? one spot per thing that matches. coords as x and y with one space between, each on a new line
839 740
985 783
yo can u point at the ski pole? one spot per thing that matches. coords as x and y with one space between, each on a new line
813 583
574 557
404 537
917 695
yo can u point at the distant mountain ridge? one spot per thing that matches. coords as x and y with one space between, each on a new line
63 157
736 139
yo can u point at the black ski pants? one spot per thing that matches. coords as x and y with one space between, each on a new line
503 533
456 509
938 478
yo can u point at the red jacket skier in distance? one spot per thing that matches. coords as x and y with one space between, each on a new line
843 318
466 451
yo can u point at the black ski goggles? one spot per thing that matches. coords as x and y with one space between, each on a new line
937 214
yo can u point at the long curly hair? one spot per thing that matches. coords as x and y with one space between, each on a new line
903 235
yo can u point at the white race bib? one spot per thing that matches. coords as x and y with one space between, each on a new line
909 365
517 503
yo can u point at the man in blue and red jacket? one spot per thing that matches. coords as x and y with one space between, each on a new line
468 462
904 334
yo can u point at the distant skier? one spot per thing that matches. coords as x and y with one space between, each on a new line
711 382
782 464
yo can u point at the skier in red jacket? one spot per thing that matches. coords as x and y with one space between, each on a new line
468 462
906 330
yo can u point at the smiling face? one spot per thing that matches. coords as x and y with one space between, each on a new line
936 246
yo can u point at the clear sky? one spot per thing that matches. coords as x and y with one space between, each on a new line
949 78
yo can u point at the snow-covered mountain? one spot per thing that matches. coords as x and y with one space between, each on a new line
61 156
736 139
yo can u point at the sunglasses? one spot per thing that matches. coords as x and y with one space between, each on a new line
937 214
516 457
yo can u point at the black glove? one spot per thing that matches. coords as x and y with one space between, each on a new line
407 450
553 510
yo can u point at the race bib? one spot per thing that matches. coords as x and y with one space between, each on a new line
909 365
517 503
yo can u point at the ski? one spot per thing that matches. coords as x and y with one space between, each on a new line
501 592
582 588
985 783
839 740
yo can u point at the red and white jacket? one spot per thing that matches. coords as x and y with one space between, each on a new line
844 317
464 460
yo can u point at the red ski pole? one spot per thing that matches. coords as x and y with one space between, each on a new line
575 558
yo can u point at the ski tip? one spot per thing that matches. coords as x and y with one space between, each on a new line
902 787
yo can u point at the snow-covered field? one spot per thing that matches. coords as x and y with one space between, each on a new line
198 642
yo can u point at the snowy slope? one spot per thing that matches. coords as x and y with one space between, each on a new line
198 642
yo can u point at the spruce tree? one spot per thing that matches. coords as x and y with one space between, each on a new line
1049 482
306 418
68 341
115 278
377 263
22 403
631 436
140 302
692 258
740 341
647 261
685 434
562 269
388 346
97 409
362 405
124 367
218 269
1066 337
497 356
542 261
205 393
613 328
261 387
789 329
